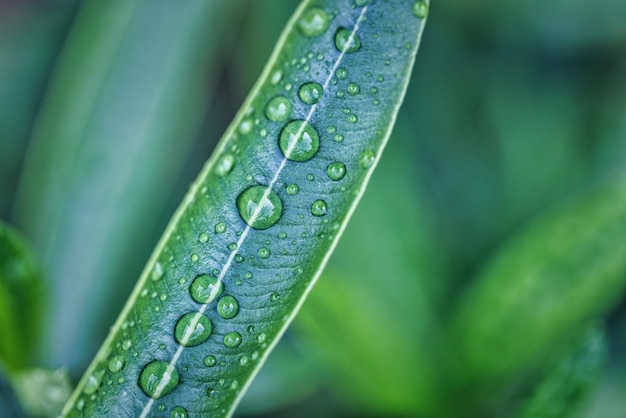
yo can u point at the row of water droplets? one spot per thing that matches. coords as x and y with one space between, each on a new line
260 207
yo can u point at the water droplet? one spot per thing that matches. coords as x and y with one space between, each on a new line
232 246
380 78
331 129
260 207
293 189
205 289
352 118
247 275
179 412
232 339
158 379
338 138
318 208
194 258
313 22
116 364
264 252
310 177
163 297
340 93
420 9
192 329
353 88
126 345
203 237
336 171
250 329
347 41
278 109
274 297
220 228
245 127
367 159
299 141
276 76
282 235
210 361
157 272
310 93
243 360
239 258
225 165
227 307
261 338
341 73
93 382
161 407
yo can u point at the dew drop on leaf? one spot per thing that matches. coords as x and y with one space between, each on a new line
260 207
313 22
367 159
116 364
179 412
274 297
203 237
347 41
227 307
93 382
278 109
299 141
225 165
336 171
205 289
420 9
341 73
232 339
310 93
158 378
353 88
210 361
293 189
264 252
157 272
319 208
192 329
220 228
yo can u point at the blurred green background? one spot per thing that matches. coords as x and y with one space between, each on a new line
483 274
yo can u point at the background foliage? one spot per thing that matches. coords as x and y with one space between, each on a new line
516 111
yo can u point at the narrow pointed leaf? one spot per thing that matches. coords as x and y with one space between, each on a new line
260 222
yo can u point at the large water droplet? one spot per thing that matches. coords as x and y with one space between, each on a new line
192 329
116 364
278 109
336 171
227 307
225 165
179 412
232 339
158 379
420 9
260 207
313 22
319 208
310 93
299 141
347 41
205 289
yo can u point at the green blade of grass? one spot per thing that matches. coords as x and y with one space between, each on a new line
258 225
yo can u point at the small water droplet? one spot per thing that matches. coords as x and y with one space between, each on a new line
205 289
210 361
161 407
250 329
232 339
227 307
243 360
352 118
261 338
93 382
220 228
310 93
299 141
276 76
260 207
278 109
194 258
192 329
293 189
158 379
313 22
338 138
245 127
239 258
163 297
247 275
274 297
367 159
282 235
232 246
126 345
157 272
319 208
116 363
353 88
347 41
420 9
341 73
380 78
331 129
336 171
264 252
225 165
179 412
310 177
203 237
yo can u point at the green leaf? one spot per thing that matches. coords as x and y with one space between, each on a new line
21 300
563 270
567 385
219 291
125 103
